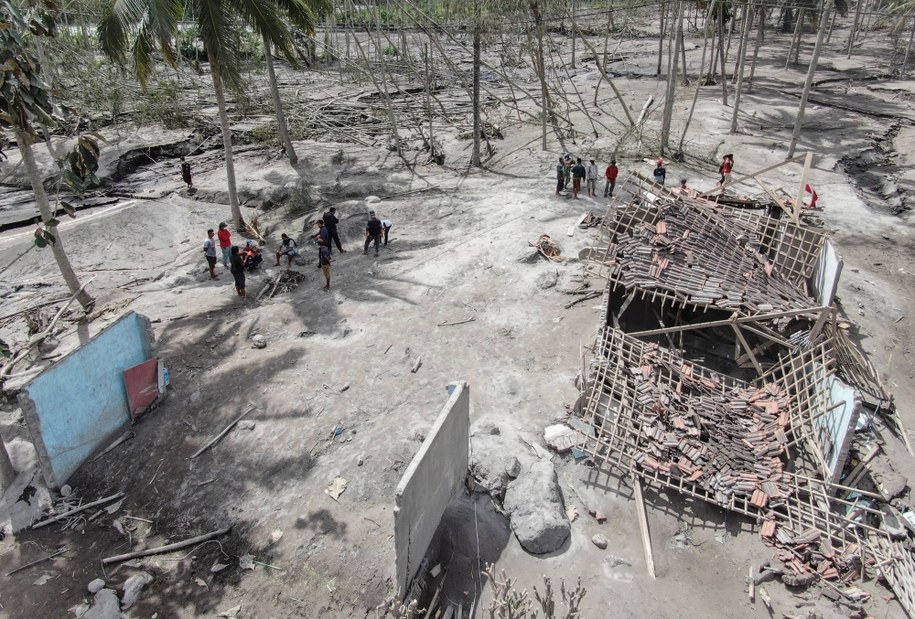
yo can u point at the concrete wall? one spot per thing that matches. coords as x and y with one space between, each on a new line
430 482
75 405
825 279
836 429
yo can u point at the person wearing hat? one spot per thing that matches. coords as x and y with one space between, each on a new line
660 172
591 177
225 242
611 173
373 231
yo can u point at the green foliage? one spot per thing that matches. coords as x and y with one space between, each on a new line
43 234
163 103
82 164
390 50
24 97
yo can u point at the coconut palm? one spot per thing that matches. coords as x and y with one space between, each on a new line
133 30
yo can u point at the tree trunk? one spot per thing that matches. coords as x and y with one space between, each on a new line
680 43
796 37
278 105
800 36
832 24
664 4
760 33
854 27
541 69
574 31
24 141
689 118
908 49
673 56
748 16
744 39
724 75
811 70
226 143
477 27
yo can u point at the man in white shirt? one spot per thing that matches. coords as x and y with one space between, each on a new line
386 225
591 177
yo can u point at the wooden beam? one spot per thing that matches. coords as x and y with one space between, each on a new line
746 347
643 526
730 321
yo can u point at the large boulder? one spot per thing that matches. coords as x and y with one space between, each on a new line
534 505
494 462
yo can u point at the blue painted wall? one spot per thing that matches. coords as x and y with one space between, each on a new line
79 402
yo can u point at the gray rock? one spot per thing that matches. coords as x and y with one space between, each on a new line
548 279
48 344
66 490
528 255
96 585
360 460
104 606
484 429
534 504
133 587
258 341
560 437
246 424
493 463
600 540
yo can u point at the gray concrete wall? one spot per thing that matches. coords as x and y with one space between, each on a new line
430 482
825 279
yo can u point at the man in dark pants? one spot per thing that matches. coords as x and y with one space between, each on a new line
323 236
330 222
578 175
372 233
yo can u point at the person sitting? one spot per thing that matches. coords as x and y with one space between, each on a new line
251 255
288 248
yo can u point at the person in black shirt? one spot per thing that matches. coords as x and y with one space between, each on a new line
186 173
660 173
238 271
330 222
578 175
372 233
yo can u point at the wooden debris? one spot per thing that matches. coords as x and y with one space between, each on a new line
167 548
227 429
416 365
77 510
547 248
37 561
643 527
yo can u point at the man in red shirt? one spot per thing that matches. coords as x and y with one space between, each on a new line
225 243
611 174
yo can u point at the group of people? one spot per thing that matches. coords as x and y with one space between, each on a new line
248 257
236 259
573 174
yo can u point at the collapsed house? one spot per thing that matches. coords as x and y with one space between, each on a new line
721 371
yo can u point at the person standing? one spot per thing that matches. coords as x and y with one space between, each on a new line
323 236
660 172
386 225
578 174
591 174
209 251
727 164
611 173
238 270
186 173
330 222
225 242
372 233
560 176
324 259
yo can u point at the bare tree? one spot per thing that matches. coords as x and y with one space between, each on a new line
811 70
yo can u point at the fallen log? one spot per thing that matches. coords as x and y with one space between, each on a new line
167 548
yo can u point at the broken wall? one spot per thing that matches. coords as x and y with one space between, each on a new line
430 482
825 279
75 405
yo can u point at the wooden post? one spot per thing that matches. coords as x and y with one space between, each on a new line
643 526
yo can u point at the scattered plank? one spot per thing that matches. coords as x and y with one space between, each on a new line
124 437
37 561
227 429
416 365
459 322
167 548
76 510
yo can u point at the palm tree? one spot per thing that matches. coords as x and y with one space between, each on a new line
138 28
